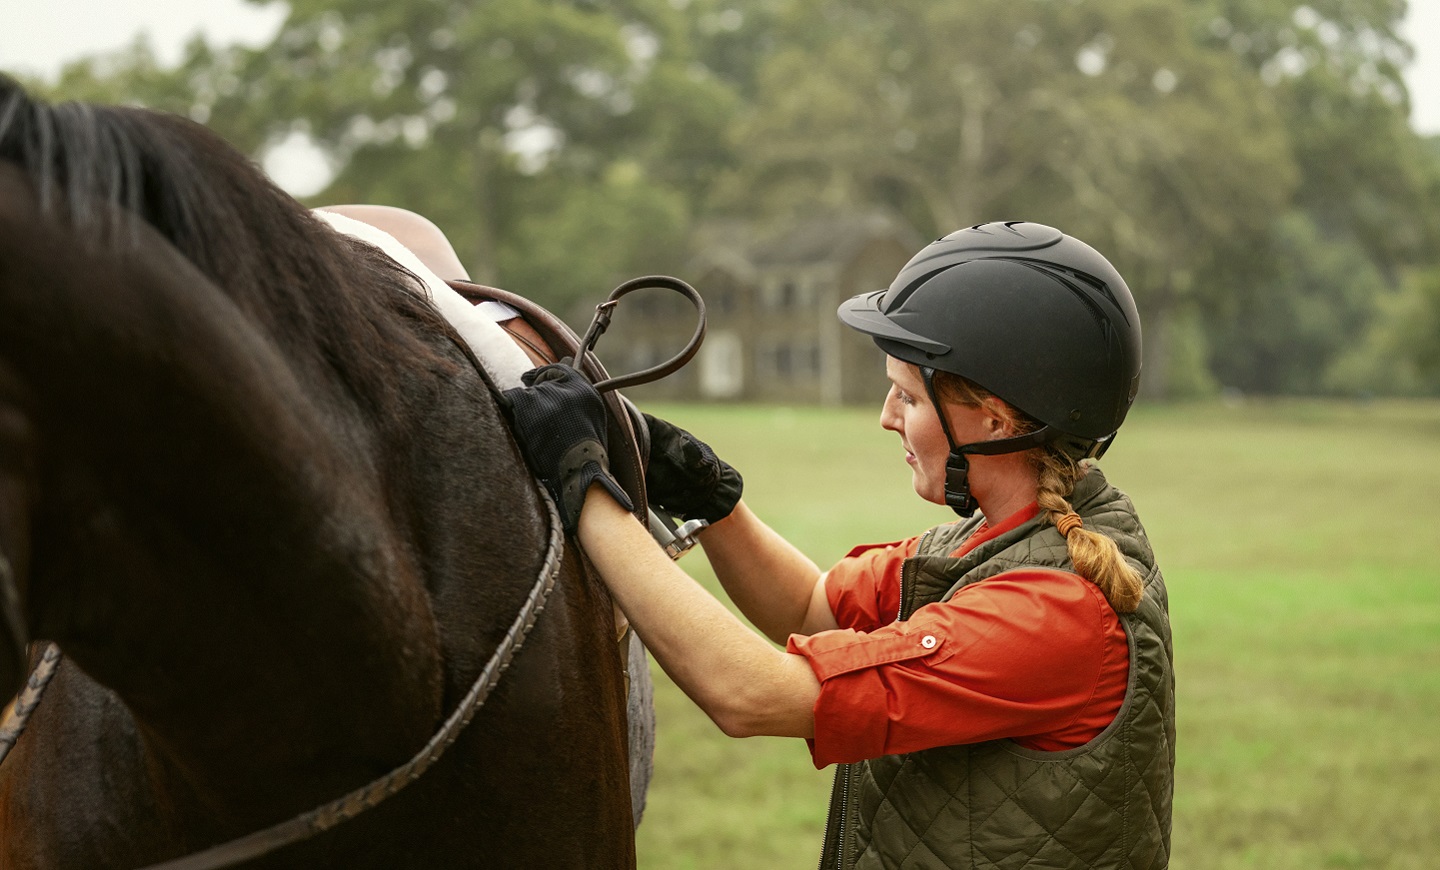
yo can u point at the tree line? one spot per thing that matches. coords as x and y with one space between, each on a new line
1247 164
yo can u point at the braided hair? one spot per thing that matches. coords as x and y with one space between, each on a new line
1094 555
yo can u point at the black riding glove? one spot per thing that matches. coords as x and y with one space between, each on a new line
559 420
685 477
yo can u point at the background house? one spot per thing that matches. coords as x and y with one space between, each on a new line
771 298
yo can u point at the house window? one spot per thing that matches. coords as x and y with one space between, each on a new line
805 294
788 295
721 292
782 294
722 368
721 300
786 360
642 355
805 359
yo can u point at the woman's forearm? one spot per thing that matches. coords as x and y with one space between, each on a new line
773 584
744 684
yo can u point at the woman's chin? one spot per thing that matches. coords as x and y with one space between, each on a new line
934 495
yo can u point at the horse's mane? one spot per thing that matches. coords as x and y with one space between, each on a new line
101 168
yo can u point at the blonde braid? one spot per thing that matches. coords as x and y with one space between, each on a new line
1095 556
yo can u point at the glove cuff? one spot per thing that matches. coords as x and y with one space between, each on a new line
584 464
721 500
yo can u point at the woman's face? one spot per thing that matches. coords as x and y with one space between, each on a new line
908 412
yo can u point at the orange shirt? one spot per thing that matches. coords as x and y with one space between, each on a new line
1036 655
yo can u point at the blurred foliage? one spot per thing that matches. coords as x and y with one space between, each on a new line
1287 329
1247 164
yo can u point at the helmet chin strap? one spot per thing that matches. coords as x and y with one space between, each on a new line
957 465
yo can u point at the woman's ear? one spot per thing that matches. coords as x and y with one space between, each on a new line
999 419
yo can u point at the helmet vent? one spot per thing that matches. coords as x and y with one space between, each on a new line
1094 284
1072 280
896 298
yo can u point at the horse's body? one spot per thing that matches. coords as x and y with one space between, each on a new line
257 493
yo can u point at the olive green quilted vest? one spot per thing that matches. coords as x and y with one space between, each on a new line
996 804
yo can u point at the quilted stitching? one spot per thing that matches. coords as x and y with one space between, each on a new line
1011 796
1108 807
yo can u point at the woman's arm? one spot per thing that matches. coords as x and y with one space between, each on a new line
748 687
776 586
744 684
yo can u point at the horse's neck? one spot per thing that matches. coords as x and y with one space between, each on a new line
201 517
180 610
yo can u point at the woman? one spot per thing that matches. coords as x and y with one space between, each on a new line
998 690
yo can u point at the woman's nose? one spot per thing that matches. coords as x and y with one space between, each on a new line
889 419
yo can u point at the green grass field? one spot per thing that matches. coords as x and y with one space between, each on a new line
1299 543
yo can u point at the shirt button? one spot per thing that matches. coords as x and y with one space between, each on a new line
928 641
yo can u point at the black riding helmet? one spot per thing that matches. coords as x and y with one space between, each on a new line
1036 317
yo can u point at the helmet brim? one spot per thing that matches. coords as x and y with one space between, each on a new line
862 313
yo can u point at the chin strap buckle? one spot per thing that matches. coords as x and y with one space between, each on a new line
957 485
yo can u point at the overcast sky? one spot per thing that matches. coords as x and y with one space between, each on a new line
37 36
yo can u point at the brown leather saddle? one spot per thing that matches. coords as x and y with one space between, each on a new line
543 337
546 338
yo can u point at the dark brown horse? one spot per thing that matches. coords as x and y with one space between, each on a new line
257 493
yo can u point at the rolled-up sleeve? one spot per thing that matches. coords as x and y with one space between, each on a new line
863 589
853 702
1024 653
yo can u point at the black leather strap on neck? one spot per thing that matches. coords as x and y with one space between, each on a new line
957 467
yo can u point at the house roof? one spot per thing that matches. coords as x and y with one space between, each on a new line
742 248
828 239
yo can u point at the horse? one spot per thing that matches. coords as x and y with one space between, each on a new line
254 488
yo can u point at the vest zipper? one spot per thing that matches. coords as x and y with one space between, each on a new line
907 577
835 819
840 793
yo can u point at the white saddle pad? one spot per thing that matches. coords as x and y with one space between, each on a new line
503 360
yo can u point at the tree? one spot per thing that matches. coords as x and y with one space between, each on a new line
1234 158
1104 118
483 115
1367 206
533 131
1290 327
1335 68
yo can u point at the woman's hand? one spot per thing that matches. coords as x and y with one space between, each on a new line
685 477
559 420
